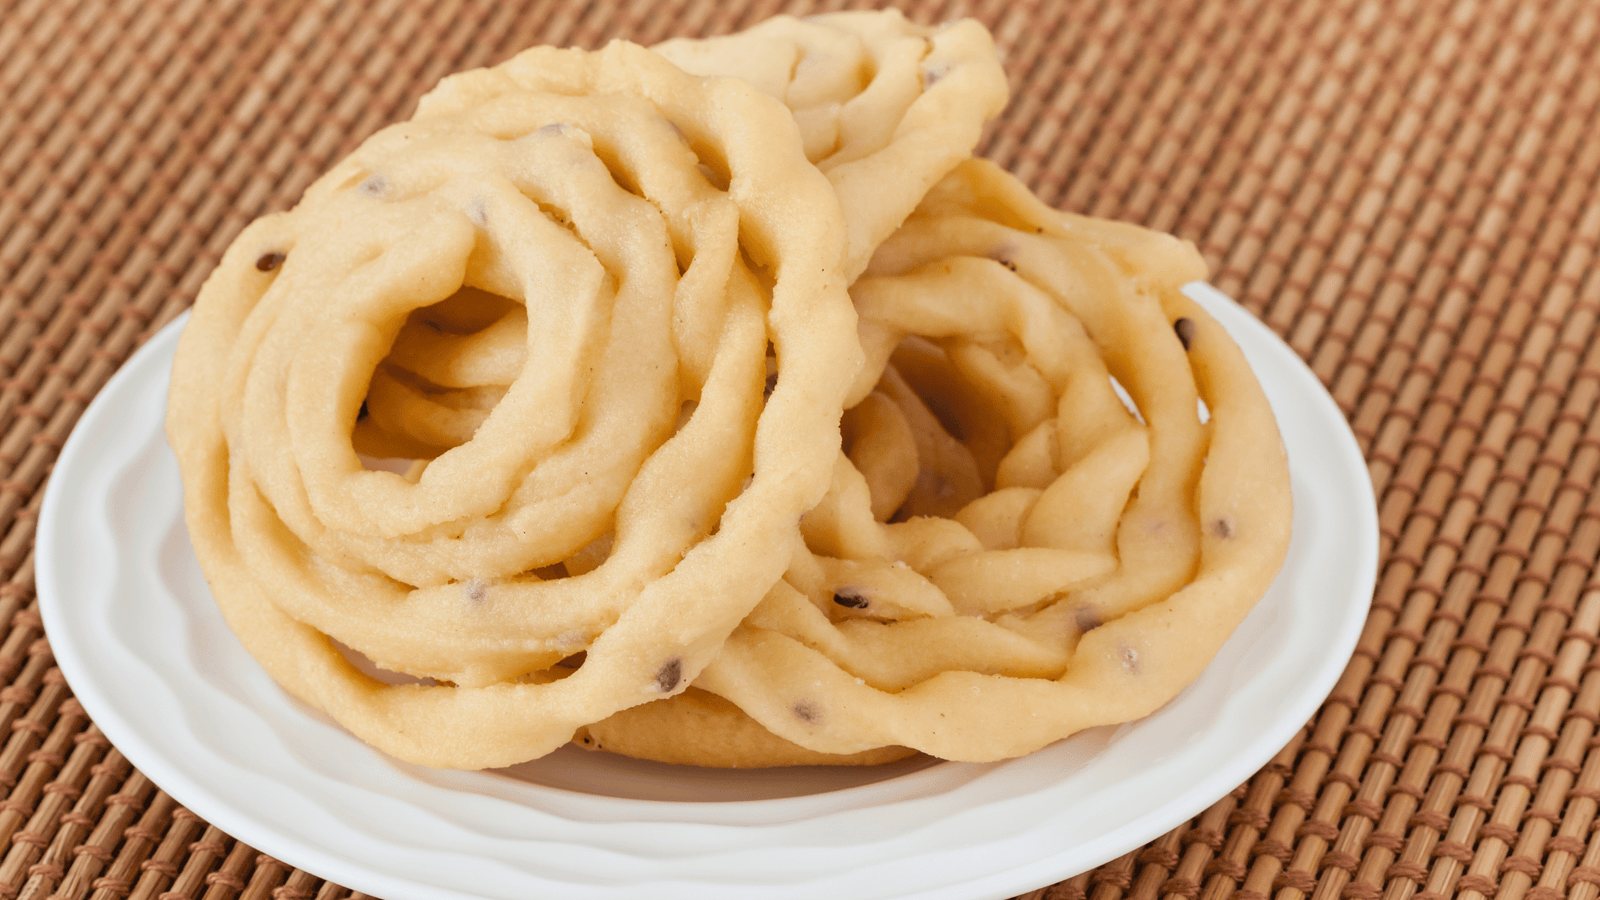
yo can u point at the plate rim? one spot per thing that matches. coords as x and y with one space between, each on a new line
1252 335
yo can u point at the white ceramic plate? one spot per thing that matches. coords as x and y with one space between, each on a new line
135 631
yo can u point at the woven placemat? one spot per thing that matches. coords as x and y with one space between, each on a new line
1406 191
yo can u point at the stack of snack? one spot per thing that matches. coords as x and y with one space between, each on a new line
732 415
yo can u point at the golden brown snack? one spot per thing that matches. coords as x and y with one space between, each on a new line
885 107
1060 560
595 259
698 728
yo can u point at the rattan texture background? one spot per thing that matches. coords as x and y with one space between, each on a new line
1407 190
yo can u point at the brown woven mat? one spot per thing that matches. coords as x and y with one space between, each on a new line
1405 190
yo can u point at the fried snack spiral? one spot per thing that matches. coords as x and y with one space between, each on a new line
1009 553
563 289
885 107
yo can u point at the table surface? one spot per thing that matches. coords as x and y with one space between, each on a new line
1407 191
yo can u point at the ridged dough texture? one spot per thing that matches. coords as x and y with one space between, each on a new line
885 107
1010 551
636 250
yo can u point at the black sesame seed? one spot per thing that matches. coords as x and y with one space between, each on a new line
850 599
671 673
1185 329
269 261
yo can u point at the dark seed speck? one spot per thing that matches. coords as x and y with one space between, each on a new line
850 599
671 673
805 711
1222 528
270 261
1185 329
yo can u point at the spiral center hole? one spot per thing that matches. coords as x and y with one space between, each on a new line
450 365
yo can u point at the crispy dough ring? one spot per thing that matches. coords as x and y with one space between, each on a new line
992 634
885 107
429 575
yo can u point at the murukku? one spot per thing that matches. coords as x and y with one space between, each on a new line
1060 490
546 415
599 306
